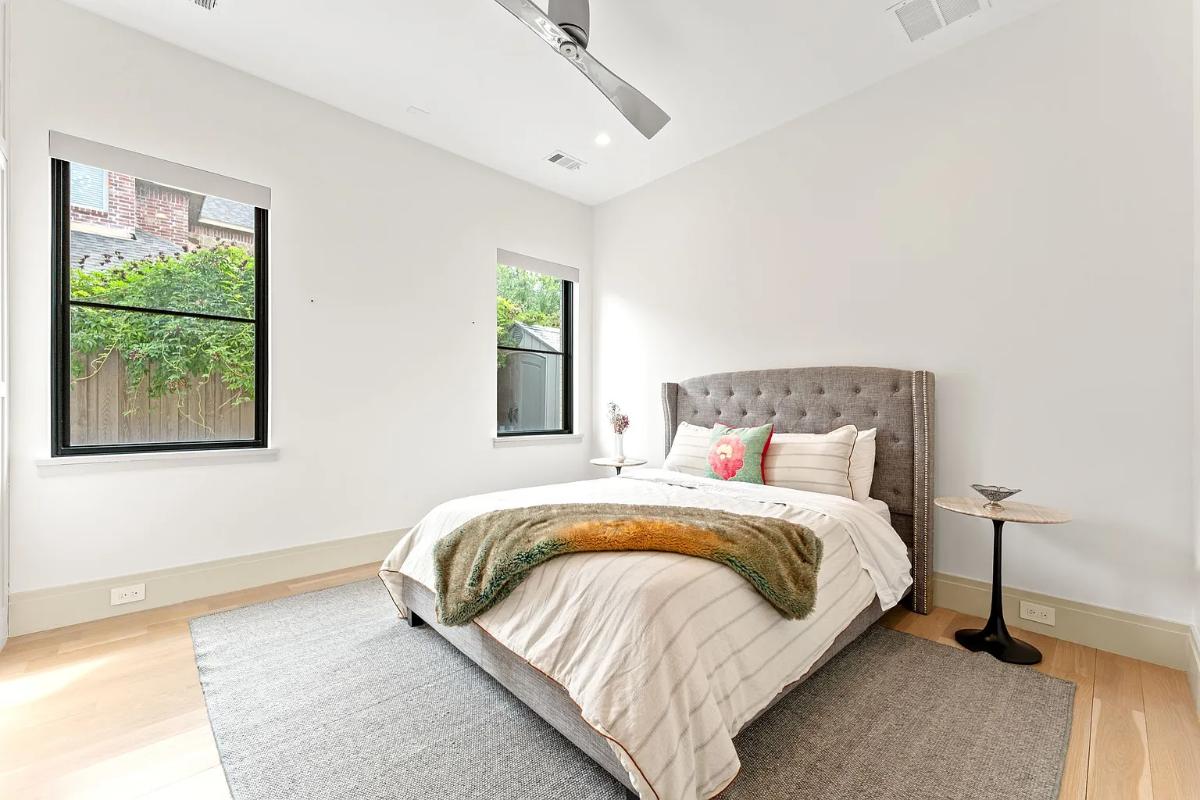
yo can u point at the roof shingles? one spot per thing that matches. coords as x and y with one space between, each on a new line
221 212
95 251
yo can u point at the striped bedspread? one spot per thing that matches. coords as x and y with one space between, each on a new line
669 655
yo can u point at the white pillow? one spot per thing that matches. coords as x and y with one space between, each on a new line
689 451
812 462
862 464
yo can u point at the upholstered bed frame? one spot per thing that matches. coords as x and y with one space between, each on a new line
898 403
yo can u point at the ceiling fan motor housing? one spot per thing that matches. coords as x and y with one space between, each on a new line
574 17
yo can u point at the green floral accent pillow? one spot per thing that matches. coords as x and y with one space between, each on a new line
736 454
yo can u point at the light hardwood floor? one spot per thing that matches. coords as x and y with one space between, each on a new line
114 709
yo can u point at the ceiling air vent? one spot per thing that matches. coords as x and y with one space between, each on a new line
954 10
565 161
209 4
919 19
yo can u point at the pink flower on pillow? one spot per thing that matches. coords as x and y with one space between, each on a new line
726 456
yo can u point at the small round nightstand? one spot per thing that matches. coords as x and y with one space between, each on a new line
618 463
994 636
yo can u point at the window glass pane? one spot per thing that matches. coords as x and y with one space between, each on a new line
142 377
530 391
528 310
89 188
155 246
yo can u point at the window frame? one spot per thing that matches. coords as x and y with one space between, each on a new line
567 355
60 346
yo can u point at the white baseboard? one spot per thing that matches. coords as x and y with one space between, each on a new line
1170 644
1157 641
59 606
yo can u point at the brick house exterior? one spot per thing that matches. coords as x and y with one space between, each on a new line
163 212
139 219
121 209
211 234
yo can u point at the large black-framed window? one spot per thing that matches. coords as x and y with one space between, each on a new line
159 317
534 352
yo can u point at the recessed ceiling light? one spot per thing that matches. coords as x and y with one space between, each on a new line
603 139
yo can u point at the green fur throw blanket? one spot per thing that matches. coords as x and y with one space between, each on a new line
479 564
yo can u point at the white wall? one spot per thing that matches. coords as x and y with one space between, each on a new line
1196 326
1016 217
1024 194
4 559
382 262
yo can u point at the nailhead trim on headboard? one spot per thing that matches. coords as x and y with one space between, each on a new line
921 503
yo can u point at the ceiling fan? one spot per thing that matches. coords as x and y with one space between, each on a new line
565 28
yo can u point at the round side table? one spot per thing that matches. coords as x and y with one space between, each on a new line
618 463
994 637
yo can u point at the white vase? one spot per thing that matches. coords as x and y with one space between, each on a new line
620 449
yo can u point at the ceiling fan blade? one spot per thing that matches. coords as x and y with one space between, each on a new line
640 110
537 21
647 117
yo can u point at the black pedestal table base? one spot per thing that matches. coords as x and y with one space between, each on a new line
994 637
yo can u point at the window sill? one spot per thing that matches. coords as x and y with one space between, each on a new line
180 458
529 441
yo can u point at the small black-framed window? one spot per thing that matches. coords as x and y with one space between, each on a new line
534 351
159 317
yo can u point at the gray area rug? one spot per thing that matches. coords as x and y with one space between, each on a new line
329 695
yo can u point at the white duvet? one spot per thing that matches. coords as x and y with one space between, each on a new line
668 655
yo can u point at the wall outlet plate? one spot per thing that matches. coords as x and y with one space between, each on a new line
127 594
1036 612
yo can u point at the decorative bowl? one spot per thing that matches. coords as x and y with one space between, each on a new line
994 494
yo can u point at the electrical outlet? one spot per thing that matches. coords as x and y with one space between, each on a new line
127 594
1037 612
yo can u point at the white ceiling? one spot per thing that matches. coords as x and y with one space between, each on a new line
724 70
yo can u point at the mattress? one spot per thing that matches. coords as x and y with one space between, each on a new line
669 656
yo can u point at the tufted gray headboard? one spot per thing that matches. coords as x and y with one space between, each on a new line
818 399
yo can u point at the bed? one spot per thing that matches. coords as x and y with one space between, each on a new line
651 663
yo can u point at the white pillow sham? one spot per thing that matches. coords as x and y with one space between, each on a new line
791 465
862 464
689 451
812 462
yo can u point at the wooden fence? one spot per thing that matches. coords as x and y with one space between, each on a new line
104 412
